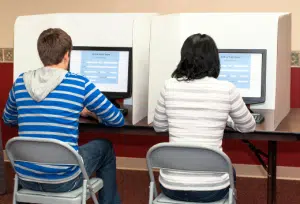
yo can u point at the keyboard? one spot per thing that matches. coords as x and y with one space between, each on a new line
258 118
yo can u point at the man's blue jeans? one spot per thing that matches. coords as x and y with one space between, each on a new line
99 157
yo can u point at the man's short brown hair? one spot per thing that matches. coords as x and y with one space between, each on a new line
52 45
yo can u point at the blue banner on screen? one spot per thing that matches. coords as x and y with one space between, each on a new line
107 69
100 66
236 68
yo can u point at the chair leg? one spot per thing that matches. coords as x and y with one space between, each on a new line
16 185
94 197
84 186
151 187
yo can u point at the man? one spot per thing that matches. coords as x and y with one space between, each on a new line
47 103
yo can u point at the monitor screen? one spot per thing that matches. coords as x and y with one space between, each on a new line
108 68
245 69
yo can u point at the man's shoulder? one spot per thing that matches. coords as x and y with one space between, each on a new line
79 77
20 78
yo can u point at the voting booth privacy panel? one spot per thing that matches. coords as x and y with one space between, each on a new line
94 30
268 31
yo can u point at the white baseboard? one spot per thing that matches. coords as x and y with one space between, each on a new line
242 170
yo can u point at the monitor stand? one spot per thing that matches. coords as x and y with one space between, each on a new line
123 110
259 118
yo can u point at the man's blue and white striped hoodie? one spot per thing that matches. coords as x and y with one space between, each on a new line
46 103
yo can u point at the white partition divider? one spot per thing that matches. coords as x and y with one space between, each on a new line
270 31
91 29
164 55
283 69
141 51
26 33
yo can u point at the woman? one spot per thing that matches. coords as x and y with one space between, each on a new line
195 107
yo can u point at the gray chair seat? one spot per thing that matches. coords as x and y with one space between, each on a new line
50 151
58 198
189 158
162 199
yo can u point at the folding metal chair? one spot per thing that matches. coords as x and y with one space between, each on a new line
193 158
50 151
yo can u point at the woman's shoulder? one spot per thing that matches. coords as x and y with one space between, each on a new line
170 81
221 85
207 82
225 83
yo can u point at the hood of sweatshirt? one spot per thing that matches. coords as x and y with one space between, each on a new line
39 83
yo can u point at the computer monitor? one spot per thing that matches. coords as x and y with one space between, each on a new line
109 68
246 69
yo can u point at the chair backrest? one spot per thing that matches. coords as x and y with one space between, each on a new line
43 151
187 157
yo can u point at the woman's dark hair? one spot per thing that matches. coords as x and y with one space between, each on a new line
199 58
